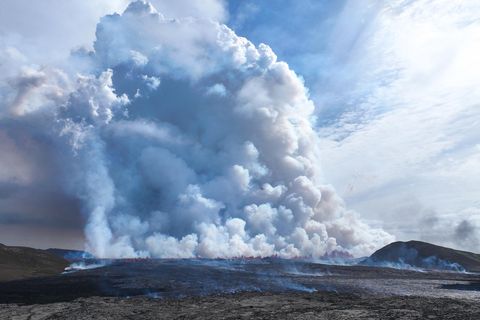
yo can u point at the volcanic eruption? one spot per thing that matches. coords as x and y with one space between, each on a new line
182 139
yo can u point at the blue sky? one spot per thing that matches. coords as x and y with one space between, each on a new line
395 87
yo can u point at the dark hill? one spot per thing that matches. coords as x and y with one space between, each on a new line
23 262
425 255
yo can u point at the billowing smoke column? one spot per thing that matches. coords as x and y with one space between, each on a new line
184 140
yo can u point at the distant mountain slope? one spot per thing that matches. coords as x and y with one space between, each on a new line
71 255
425 255
23 262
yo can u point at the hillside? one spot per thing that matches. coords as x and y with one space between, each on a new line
425 255
23 262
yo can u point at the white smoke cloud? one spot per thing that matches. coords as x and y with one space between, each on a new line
185 140
57 26
206 9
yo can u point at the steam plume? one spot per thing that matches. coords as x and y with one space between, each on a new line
184 140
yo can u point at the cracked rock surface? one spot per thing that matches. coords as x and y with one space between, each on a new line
253 289
251 306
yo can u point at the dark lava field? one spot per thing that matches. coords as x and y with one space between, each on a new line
246 289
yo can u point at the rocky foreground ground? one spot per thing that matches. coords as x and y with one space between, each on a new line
318 305
238 289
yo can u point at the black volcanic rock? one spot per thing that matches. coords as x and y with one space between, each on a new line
23 262
424 255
